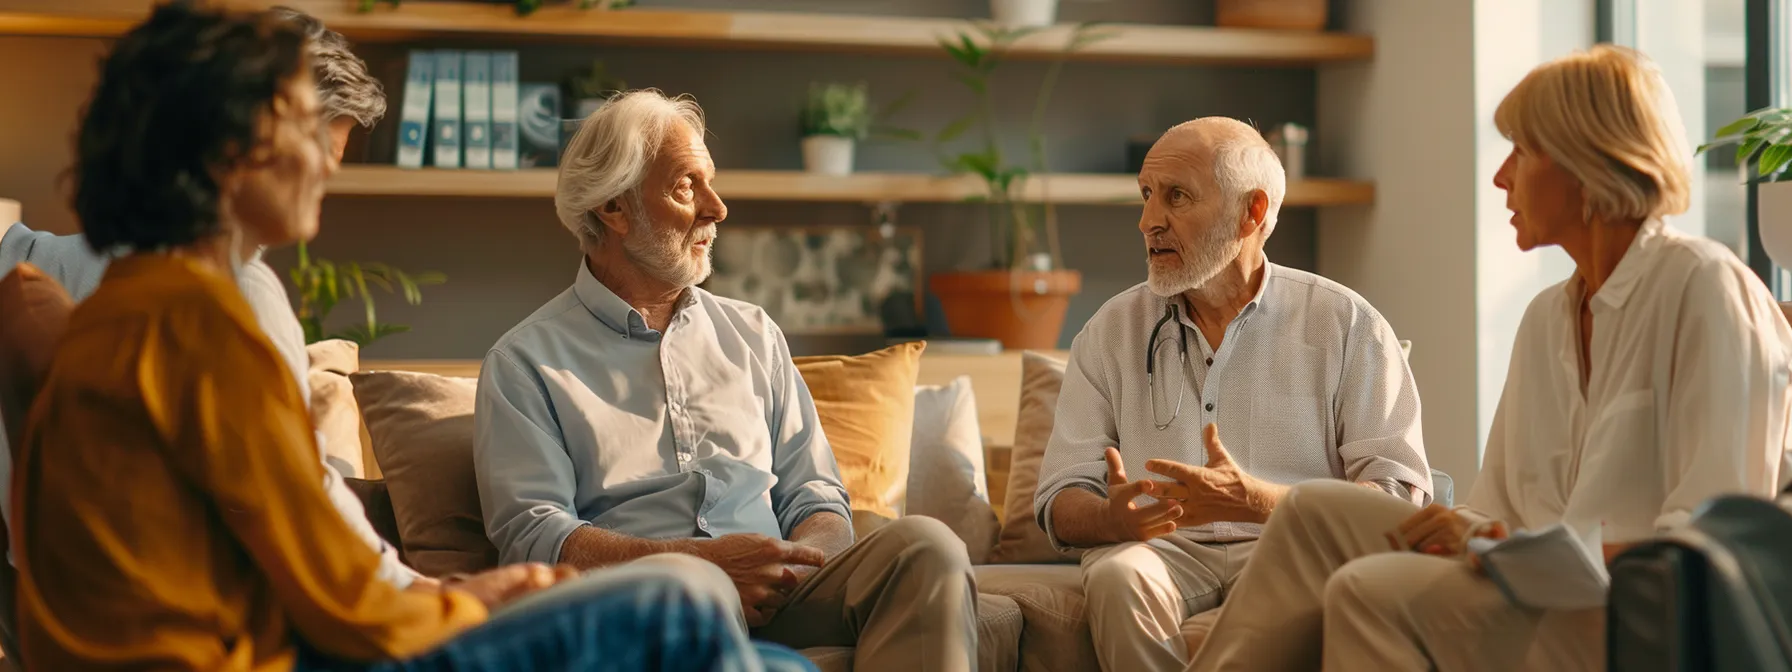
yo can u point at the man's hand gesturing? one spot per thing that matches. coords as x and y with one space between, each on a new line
1131 522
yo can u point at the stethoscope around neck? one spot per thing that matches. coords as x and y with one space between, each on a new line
1170 317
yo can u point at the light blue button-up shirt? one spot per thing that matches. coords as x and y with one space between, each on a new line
587 417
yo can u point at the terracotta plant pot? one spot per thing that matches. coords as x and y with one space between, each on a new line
1022 309
1272 14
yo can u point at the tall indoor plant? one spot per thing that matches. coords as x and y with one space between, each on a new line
1763 140
1020 296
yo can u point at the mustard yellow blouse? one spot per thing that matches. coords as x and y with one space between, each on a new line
168 499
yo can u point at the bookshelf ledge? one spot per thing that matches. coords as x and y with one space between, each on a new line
770 185
783 31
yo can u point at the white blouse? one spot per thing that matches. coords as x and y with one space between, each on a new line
1686 397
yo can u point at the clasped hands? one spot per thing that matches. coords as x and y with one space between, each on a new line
1194 496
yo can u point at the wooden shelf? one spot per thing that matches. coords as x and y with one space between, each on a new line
781 31
768 185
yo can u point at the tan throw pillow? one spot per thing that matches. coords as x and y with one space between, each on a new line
34 312
1022 541
422 429
333 408
867 409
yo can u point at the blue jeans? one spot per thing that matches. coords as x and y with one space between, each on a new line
662 613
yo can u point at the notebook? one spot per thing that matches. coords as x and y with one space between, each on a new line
1549 568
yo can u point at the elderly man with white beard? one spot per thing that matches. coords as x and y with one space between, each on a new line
637 414
1299 375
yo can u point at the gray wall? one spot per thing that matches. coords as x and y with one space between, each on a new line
504 257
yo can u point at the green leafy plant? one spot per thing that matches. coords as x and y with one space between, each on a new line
838 109
1017 229
593 82
845 110
1764 137
323 284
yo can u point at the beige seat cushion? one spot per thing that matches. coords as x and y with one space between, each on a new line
1022 541
866 404
998 639
333 408
1055 635
422 429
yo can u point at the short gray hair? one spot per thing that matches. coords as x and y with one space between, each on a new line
1243 165
608 158
344 88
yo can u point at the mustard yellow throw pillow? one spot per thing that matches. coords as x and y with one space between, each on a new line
867 408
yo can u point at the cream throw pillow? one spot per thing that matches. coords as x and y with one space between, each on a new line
333 409
946 478
1022 541
867 408
422 429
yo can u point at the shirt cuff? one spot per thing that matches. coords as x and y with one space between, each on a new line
812 502
1045 512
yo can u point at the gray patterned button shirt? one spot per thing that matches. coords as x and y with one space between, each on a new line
587 417
1309 382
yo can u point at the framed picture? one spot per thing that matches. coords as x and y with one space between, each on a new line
822 279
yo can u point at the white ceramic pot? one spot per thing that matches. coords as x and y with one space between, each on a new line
1023 13
827 154
1774 210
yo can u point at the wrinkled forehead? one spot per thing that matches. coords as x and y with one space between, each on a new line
1180 155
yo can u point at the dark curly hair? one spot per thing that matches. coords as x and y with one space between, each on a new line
179 98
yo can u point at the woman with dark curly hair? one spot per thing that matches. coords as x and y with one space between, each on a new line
168 508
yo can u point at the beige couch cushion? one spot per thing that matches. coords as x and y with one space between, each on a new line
1055 634
333 408
867 408
998 639
422 429
1022 541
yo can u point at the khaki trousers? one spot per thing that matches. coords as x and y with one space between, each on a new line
903 597
1326 592
1139 594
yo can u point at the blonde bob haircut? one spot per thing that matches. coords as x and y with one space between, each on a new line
1607 117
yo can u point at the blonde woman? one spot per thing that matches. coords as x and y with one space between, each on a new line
1651 380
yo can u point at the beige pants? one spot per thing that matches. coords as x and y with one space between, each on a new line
903 596
1324 573
1139 594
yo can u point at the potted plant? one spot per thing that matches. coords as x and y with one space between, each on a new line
1764 140
836 117
588 88
323 284
1019 296
1023 13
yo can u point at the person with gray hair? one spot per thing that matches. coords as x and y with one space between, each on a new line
1299 374
637 413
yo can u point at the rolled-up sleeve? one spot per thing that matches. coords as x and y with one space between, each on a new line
1083 431
1380 436
808 480
526 480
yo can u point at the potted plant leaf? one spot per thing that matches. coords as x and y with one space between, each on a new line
1763 140
1020 295
323 284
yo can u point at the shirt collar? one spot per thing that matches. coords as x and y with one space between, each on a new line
607 307
1631 269
1256 303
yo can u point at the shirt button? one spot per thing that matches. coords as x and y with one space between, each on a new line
686 457
1210 408
702 523
1210 361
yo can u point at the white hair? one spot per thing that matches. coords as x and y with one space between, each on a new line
1243 165
608 158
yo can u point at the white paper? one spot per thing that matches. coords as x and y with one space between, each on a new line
1551 568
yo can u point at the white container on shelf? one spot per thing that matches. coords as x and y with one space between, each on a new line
828 154
1023 13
